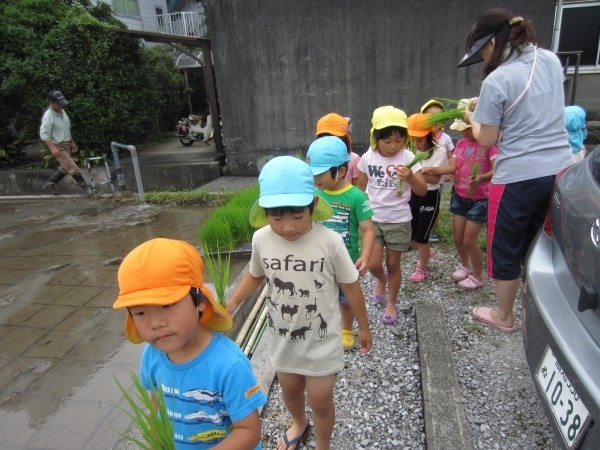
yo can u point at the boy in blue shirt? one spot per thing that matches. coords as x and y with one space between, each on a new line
328 160
211 393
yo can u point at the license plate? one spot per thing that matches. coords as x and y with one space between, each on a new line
570 414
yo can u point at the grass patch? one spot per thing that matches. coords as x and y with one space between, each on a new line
186 198
228 226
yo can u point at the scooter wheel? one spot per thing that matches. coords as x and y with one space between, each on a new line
186 141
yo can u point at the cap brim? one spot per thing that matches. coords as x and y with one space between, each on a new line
418 133
459 126
258 218
431 103
154 296
318 170
473 56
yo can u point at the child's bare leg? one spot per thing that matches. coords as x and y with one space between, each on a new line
392 262
347 316
472 248
459 223
423 256
292 388
376 268
320 399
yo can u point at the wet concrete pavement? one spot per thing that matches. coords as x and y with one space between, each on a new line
61 344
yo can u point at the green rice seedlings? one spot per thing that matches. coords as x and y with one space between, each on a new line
474 173
149 414
444 116
219 268
216 229
420 156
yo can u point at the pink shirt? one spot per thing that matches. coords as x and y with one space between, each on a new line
352 167
467 152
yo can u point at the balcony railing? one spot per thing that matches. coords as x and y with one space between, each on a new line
181 24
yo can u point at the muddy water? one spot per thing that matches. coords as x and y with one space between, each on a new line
59 261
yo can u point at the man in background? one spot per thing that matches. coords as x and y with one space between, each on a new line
55 132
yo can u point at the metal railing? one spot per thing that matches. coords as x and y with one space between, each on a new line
181 24
570 83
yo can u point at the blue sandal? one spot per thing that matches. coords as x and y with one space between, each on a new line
296 441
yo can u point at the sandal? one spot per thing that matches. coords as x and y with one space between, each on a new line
378 299
461 273
418 276
348 340
432 252
482 314
470 283
390 319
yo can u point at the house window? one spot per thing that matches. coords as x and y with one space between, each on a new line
159 15
580 31
126 7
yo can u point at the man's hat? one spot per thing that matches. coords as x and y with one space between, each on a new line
56 96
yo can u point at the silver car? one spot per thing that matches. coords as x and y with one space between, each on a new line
561 311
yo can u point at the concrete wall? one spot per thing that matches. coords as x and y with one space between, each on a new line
155 177
280 65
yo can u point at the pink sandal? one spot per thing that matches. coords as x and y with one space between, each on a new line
461 273
470 283
418 276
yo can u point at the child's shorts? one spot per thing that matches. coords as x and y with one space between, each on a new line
343 299
393 236
470 209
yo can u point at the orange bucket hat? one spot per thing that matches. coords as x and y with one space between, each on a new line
417 125
161 272
334 124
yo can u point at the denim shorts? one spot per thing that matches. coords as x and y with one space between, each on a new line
471 209
343 299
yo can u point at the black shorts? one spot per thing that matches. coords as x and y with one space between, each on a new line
424 211
516 212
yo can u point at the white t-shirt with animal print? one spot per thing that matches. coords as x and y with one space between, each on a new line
303 310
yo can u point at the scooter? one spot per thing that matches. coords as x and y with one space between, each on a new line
194 128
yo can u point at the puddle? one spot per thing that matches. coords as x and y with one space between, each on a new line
57 327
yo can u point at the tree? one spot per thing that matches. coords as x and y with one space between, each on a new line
118 90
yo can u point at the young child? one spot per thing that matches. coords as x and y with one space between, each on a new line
333 124
443 141
425 210
210 390
468 202
305 265
575 125
328 160
382 168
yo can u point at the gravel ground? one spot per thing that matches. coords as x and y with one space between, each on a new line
378 397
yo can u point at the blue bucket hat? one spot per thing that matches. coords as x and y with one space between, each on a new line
325 153
286 181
